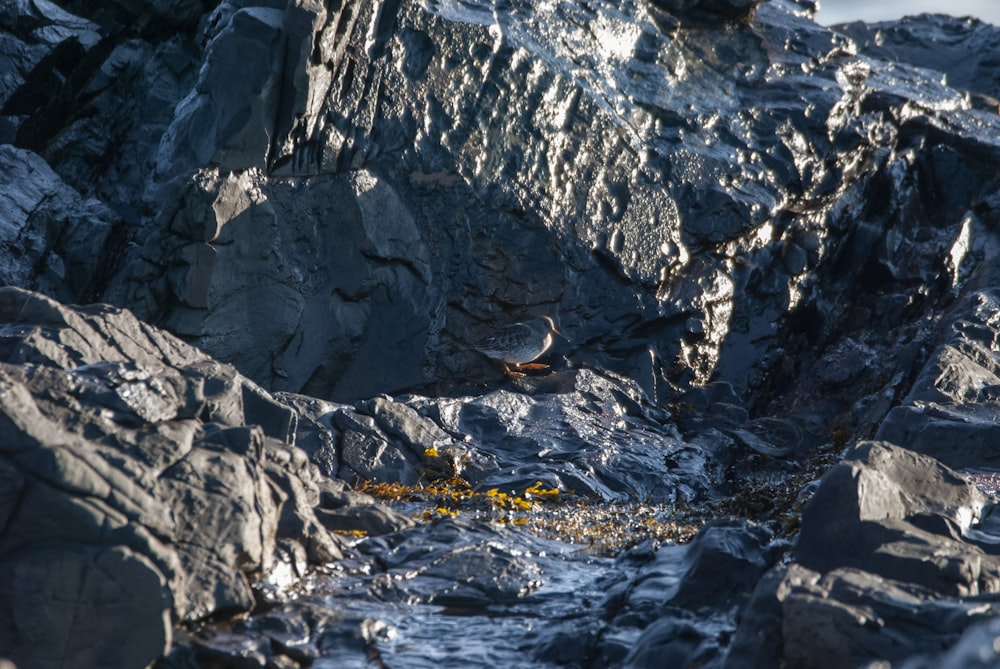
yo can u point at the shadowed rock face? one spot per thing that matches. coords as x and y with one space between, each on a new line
761 236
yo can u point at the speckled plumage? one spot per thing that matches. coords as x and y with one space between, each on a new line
520 343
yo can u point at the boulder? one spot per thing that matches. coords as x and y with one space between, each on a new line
594 436
663 604
847 617
146 485
950 411
54 238
883 507
974 649
964 47
896 559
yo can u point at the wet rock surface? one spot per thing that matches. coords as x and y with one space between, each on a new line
771 245
145 485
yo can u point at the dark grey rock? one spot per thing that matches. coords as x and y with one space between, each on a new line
900 515
723 564
405 424
672 642
145 484
757 641
53 238
234 104
457 251
94 606
444 269
731 9
670 611
290 636
93 98
570 643
848 617
316 434
366 454
481 575
976 649
334 242
594 435
760 236
950 411
372 519
964 48
242 522
895 560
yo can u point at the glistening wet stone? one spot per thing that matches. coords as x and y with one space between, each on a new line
767 241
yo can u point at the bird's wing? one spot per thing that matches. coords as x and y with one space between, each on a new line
501 341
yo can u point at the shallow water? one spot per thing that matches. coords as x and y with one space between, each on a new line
424 619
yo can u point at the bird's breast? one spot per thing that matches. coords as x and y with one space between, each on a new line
547 343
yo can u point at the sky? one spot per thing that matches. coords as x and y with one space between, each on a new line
840 11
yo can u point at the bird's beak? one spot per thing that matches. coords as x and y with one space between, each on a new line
561 334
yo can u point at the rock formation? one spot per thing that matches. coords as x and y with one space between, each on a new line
145 484
248 246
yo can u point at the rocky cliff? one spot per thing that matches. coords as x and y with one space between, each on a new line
249 247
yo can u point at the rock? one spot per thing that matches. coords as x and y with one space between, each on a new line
315 433
847 617
757 641
367 455
226 118
723 564
668 611
338 335
728 9
964 48
453 250
150 482
497 267
331 334
403 423
950 411
762 236
598 437
482 575
54 238
107 96
288 636
672 642
888 510
891 556
242 523
103 605
974 649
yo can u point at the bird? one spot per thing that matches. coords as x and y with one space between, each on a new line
517 345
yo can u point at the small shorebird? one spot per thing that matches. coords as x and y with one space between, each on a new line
519 344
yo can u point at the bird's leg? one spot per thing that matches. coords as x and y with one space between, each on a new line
532 365
511 373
